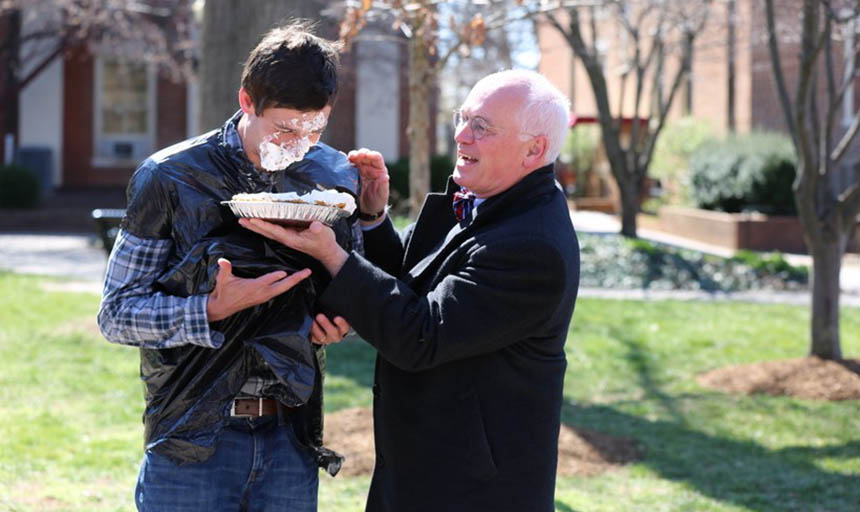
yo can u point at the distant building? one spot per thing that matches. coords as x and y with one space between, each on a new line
705 95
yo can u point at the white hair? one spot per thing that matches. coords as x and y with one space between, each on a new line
545 111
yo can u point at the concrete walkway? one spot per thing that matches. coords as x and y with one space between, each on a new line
81 261
78 258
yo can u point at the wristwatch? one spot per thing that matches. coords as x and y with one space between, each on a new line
371 216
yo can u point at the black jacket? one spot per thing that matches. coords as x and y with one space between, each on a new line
177 194
470 326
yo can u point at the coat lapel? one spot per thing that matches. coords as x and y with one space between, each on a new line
437 232
434 221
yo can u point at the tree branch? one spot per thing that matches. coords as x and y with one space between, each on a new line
849 201
778 75
839 151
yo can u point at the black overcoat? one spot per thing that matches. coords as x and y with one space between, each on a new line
470 325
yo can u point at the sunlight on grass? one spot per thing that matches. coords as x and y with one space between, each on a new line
71 434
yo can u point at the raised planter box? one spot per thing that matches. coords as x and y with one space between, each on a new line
596 204
753 231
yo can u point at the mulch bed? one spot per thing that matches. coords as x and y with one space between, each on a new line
808 377
581 451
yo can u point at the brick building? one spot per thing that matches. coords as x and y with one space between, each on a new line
96 117
706 93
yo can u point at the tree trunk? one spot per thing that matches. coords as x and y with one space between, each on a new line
826 264
421 77
629 187
230 31
730 62
10 26
826 240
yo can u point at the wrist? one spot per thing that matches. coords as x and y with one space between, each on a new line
372 217
215 309
335 260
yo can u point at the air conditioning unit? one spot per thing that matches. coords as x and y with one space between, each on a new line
124 148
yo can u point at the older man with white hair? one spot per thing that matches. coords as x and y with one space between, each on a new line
468 309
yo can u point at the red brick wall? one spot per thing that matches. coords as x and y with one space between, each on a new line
171 115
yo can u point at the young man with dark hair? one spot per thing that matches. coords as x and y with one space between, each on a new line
224 321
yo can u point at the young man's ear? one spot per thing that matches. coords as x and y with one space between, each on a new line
536 152
245 102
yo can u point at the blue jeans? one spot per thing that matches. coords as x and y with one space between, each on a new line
258 466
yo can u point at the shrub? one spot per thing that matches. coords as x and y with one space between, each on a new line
676 144
19 187
612 261
771 263
441 166
579 154
751 172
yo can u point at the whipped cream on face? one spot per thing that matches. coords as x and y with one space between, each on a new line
276 157
341 200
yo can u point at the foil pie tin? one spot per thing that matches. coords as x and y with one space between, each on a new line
287 214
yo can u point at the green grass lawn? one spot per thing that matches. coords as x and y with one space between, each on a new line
71 437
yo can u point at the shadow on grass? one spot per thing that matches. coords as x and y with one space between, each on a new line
742 473
739 472
637 357
562 507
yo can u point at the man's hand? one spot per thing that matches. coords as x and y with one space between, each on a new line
233 294
317 241
374 180
326 332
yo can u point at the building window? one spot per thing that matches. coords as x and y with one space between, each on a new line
124 111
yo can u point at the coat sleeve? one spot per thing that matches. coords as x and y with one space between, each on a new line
384 247
499 295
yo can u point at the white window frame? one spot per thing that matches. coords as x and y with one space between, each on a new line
145 141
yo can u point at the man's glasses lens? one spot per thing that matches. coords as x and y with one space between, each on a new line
476 124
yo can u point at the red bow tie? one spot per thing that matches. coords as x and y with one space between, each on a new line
464 201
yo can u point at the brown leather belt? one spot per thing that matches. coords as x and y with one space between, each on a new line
256 407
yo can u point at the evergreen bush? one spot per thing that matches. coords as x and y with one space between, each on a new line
19 187
752 172
676 144
441 166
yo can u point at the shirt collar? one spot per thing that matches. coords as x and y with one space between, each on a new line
231 134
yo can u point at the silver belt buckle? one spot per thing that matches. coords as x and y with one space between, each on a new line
239 415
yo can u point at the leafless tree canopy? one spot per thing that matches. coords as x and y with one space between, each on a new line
435 31
654 44
151 30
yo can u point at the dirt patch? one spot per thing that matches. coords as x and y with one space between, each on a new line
585 452
31 494
580 451
809 377
350 433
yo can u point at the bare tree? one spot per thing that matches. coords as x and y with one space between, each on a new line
827 207
651 32
150 30
435 31
230 31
